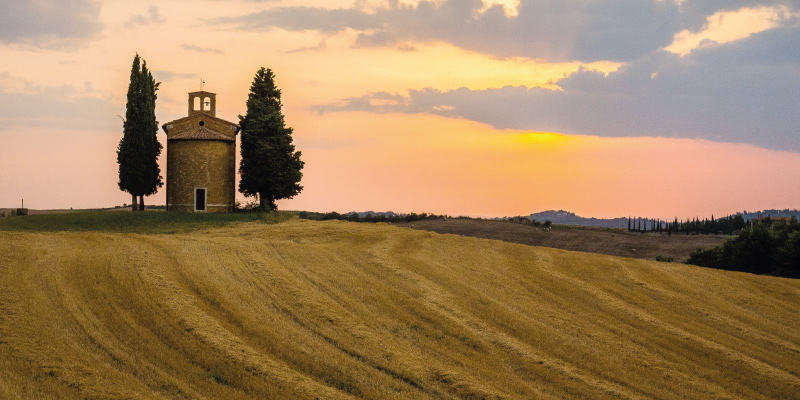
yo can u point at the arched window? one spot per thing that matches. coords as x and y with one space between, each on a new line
196 103
207 103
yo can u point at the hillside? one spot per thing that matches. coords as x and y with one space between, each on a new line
569 218
609 241
333 309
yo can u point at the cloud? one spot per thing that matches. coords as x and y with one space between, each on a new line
169 76
319 47
49 23
152 17
746 91
615 30
59 107
728 26
327 21
556 30
191 47
734 80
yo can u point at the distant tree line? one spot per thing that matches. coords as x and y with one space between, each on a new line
18 211
708 226
768 247
378 217
528 221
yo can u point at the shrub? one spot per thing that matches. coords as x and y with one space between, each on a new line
706 257
664 258
332 215
251 206
760 250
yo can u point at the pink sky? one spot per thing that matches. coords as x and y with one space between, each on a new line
435 120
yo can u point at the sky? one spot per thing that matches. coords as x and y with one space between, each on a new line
606 108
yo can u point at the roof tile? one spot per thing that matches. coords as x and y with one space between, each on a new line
202 133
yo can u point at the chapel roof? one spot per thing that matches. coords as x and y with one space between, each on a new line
202 133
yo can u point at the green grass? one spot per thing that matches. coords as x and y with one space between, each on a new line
151 222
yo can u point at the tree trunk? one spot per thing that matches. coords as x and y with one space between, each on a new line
266 203
141 203
134 207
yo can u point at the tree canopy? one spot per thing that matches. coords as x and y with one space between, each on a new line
771 248
138 151
270 168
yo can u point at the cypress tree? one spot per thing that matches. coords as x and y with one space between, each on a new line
270 168
139 148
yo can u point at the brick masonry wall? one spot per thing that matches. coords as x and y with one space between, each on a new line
207 164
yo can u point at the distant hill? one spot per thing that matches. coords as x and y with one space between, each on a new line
771 213
569 218
562 217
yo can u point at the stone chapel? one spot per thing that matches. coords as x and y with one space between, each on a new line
201 158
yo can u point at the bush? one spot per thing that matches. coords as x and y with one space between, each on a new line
761 250
331 215
664 259
251 206
22 211
706 257
548 223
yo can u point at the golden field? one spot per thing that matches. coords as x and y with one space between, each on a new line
333 309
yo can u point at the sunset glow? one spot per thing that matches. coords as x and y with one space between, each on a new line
443 107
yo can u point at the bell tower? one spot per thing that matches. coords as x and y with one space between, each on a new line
203 102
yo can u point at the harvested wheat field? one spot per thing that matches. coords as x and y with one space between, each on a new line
309 310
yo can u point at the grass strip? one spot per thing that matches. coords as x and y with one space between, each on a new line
149 222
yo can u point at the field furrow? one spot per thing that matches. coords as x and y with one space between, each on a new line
310 310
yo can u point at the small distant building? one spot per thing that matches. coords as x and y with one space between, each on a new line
201 158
